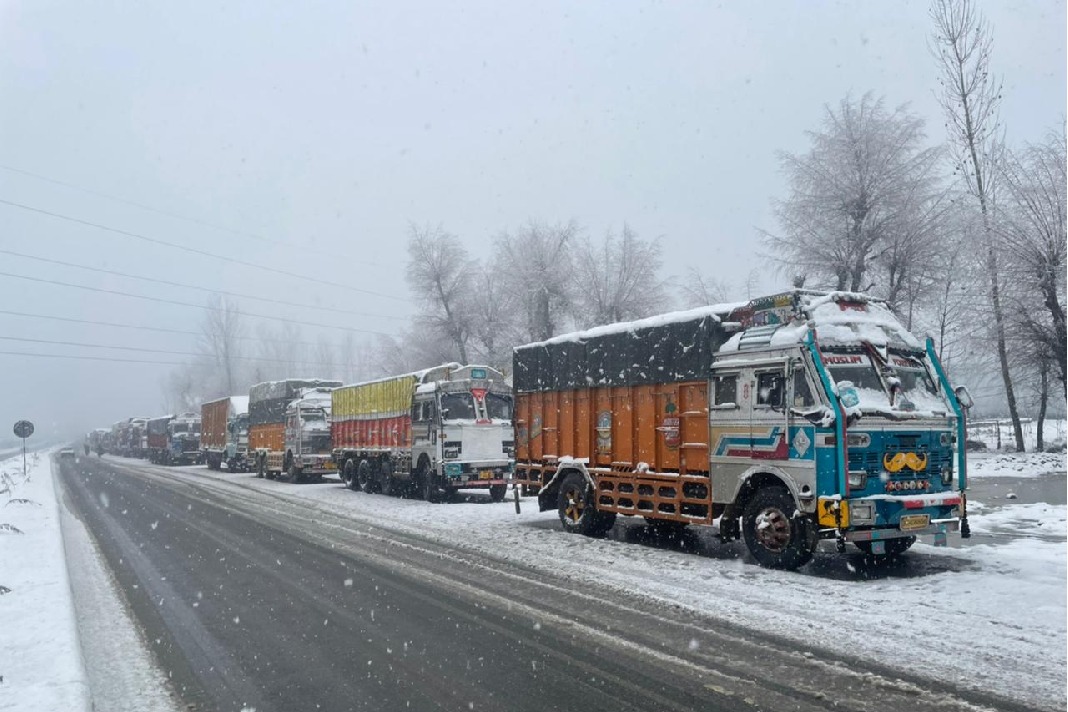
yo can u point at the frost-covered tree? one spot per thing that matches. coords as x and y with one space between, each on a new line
493 308
971 98
443 277
698 289
539 266
865 195
620 279
222 334
1032 228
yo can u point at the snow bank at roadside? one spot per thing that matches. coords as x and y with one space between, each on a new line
1019 464
41 664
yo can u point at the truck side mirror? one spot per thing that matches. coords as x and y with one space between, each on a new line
963 397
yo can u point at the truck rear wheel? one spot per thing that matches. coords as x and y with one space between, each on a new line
773 534
348 475
497 492
578 514
363 477
261 467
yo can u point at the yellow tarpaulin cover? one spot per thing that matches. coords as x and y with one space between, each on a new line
380 399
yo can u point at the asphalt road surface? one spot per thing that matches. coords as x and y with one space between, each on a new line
255 602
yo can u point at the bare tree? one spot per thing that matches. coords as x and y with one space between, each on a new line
620 279
860 193
221 335
493 326
441 275
1032 227
540 270
962 44
281 351
699 290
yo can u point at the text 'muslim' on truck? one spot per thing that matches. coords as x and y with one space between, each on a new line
428 433
793 418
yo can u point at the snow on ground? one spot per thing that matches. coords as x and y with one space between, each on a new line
68 642
40 659
1016 464
989 615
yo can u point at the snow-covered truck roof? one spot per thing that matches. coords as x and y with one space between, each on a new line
681 346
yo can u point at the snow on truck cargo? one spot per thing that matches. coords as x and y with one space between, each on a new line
792 418
428 433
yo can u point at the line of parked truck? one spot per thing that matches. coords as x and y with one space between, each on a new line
785 420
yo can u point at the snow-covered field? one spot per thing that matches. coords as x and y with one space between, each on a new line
990 616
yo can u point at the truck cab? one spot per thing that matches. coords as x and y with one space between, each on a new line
236 451
462 431
183 440
831 399
307 435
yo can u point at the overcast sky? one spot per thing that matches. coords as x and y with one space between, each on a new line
327 127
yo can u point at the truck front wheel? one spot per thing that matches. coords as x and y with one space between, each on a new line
574 503
497 492
261 467
773 534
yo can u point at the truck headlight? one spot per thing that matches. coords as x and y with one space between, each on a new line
857 479
947 475
861 513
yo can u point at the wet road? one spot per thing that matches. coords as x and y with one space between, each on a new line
259 603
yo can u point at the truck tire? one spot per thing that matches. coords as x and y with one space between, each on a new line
578 514
894 547
294 473
497 492
261 467
363 477
431 491
348 475
775 537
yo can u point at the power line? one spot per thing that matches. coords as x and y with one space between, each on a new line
154 280
167 213
196 251
167 352
91 358
185 304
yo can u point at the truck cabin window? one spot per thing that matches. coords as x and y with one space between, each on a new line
726 390
457 406
802 393
498 407
770 389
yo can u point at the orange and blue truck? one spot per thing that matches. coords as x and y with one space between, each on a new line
786 420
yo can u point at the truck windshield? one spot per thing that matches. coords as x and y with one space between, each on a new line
457 406
179 427
914 389
498 407
313 416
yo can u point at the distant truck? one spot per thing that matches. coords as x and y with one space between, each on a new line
174 440
289 428
790 419
224 433
428 433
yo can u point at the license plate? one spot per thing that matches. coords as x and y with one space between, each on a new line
485 475
910 522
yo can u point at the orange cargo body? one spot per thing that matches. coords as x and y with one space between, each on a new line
214 417
379 433
646 445
267 436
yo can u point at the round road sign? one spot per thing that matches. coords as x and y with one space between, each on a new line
23 429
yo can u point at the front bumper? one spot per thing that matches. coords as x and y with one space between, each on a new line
477 474
317 464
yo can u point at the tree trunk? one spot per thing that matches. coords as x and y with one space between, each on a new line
1043 402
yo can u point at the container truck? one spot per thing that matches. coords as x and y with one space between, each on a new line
224 433
789 419
428 433
289 428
